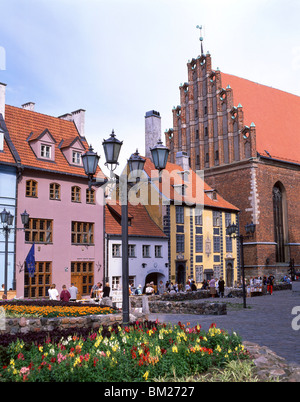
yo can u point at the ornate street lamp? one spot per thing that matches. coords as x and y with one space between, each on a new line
90 161
136 165
160 155
25 218
112 147
232 231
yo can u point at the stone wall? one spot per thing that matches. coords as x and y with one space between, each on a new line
25 325
188 307
179 303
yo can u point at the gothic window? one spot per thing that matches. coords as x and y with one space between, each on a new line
279 208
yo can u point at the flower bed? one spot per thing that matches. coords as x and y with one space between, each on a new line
137 352
51 309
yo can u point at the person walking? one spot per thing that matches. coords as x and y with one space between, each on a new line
73 292
270 284
212 287
221 287
65 294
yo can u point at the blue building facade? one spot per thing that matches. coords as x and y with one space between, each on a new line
8 182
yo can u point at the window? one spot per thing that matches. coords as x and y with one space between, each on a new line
31 188
76 194
116 281
217 244
227 219
179 214
45 151
216 218
116 250
199 273
279 213
90 196
54 191
158 251
76 158
179 228
228 244
199 244
131 250
82 233
146 251
180 243
39 231
38 285
198 219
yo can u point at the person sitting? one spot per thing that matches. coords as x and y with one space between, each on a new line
138 290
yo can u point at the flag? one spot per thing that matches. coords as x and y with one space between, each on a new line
30 262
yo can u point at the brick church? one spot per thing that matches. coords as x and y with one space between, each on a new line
246 138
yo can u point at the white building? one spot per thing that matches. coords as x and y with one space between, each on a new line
147 248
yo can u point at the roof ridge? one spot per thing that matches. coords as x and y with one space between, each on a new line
43 114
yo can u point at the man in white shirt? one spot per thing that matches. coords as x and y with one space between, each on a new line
73 292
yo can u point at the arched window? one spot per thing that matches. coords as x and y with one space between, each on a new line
54 191
76 194
31 188
280 221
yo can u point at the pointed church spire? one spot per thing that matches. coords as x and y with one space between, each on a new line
201 38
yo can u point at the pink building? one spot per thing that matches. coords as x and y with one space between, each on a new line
66 219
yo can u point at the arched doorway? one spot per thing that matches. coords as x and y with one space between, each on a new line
154 277
180 273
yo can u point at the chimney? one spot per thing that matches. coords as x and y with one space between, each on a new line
182 159
78 116
2 99
152 131
67 116
29 106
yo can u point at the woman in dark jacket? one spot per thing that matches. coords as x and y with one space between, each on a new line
106 290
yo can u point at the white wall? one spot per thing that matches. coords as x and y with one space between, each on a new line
154 265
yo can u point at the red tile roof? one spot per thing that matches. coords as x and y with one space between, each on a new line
141 223
6 155
276 115
21 123
196 189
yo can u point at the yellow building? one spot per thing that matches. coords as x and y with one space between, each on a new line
194 217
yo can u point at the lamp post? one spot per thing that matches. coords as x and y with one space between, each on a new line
7 221
112 147
232 231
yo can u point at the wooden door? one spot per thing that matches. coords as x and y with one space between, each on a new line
77 280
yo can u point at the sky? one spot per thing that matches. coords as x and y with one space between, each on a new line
118 59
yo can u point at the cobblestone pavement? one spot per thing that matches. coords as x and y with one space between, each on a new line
267 321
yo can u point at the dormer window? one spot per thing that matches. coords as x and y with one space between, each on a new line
76 157
72 150
42 144
45 151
